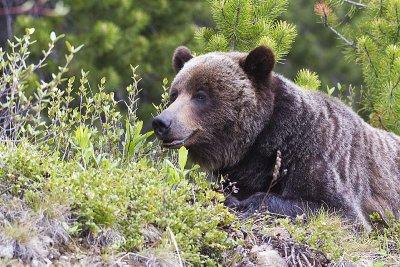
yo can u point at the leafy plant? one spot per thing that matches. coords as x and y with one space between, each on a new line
116 192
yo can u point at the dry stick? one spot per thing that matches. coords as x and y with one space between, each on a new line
357 4
275 175
293 255
344 39
305 259
338 34
299 260
382 124
176 246
286 255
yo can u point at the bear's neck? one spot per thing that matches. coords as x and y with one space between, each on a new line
255 171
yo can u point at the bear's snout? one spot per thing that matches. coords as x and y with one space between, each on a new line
171 129
162 125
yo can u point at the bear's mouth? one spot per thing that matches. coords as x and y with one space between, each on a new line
177 143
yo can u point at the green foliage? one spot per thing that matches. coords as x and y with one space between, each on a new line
372 40
387 236
127 198
74 157
317 49
308 79
327 232
330 234
242 25
117 34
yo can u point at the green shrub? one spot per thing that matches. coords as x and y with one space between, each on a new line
117 187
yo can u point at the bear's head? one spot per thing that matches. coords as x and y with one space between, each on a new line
219 104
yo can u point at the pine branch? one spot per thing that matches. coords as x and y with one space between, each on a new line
398 25
370 61
234 37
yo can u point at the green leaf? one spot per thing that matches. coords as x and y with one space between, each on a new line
78 48
70 48
30 31
182 157
134 140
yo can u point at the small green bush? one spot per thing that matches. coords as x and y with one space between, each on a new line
77 151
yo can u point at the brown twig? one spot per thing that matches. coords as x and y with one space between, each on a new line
276 171
381 123
275 176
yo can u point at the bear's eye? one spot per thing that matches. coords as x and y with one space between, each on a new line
200 96
173 96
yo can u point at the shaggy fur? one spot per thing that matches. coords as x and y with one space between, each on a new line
247 114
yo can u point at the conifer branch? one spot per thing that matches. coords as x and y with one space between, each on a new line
370 61
398 25
234 37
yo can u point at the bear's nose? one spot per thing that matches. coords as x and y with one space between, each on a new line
161 126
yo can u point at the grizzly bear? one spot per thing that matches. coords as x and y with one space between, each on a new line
286 149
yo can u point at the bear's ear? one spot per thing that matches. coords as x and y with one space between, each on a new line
259 63
181 55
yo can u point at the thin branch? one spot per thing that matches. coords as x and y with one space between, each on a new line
341 37
276 170
398 25
338 34
234 37
382 124
357 4
370 61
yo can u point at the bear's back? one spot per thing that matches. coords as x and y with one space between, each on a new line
340 157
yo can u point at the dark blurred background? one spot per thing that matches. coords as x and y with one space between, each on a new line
117 33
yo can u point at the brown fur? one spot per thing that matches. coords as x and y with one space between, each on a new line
330 156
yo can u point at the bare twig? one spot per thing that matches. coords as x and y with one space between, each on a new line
176 246
275 176
341 36
382 124
357 4
306 259
338 34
